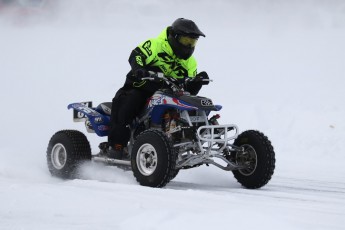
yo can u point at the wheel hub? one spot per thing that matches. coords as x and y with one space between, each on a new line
248 159
147 159
58 156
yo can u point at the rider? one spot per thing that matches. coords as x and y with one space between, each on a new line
169 53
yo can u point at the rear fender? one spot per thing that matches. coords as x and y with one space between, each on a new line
100 123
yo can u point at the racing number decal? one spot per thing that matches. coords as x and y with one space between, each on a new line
206 102
79 115
147 47
85 110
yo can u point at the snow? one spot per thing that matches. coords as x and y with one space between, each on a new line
277 66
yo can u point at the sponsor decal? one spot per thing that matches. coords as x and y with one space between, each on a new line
103 128
157 100
147 47
179 103
139 60
98 120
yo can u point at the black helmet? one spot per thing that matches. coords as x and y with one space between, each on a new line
182 36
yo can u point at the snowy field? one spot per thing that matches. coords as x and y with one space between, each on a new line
278 67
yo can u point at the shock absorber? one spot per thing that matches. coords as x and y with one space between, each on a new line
166 125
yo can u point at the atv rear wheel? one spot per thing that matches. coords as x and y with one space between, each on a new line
258 156
67 150
153 159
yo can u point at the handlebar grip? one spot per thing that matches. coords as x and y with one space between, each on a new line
197 79
148 78
156 74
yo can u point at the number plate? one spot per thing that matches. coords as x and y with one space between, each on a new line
78 116
195 119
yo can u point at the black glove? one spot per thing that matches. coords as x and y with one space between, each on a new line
141 73
200 77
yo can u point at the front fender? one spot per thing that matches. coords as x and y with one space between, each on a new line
158 111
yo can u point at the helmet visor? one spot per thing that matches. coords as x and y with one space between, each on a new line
187 41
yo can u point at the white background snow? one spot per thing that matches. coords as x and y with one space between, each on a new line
278 67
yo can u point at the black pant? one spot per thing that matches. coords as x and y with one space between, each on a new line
126 105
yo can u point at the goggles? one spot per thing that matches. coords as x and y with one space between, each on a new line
187 41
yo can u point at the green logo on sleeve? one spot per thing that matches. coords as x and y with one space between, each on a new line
139 60
147 47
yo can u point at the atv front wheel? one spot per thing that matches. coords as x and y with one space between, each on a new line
257 157
67 150
153 159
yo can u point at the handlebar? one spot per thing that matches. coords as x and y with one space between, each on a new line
195 79
155 76
158 76
175 86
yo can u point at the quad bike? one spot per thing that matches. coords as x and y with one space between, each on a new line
175 131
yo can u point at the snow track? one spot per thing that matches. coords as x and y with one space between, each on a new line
286 203
278 67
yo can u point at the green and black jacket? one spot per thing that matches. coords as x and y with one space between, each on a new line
156 55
